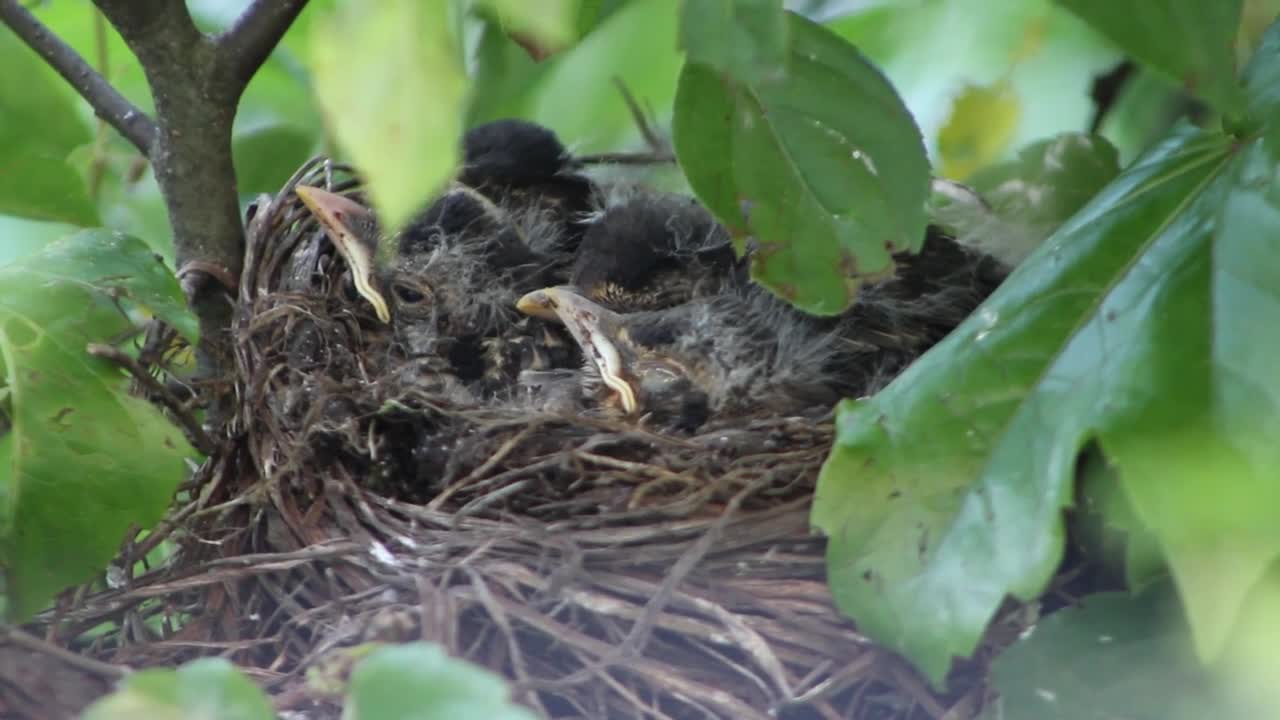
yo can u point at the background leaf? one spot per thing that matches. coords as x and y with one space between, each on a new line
206 688
1030 197
75 434
1043 55
634 44
38 131
422 682
826 170
1190 41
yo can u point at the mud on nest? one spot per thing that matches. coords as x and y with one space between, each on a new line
605 569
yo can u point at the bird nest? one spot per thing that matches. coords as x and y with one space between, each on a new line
605 569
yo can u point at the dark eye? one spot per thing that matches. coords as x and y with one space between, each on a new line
408 295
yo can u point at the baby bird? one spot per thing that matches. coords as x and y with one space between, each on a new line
447 283
648 250
743 350
515 162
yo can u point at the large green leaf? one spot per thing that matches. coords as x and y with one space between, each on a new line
944 492
38 130
745 39
390 80
822 167
1190 41
421 682
1114 656
207 688
1033 61
76 436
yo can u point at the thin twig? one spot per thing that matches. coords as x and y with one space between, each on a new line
249 41
136 126
35 644
190 426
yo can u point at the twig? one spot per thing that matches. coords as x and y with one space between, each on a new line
626 158
249 41
190 426
30 642
650 136
136 126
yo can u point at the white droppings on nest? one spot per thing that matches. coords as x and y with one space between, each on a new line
383 555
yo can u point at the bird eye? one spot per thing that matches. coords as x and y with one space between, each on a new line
408 295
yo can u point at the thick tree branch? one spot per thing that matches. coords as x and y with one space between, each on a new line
107 103
247 44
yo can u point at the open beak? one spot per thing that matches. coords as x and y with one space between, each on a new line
338 214
592 326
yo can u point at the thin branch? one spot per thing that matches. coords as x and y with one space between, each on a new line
247 43
199 439
30 642
107 103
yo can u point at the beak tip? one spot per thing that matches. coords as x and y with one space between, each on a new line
539 303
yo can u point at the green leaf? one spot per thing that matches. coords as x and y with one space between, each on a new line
206 688
267 156
418 681
1190 41
1045 57
943 493
823 168
551 25
40 185
391 84
744 39
1113 656
38 130
75 432
1030 197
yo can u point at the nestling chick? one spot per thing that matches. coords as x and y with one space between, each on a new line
449 284
650 250
743 350
521 164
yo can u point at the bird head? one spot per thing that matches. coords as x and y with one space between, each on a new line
648 250
355 232
455 270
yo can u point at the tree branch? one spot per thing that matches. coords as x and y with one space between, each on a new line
247 43
107 103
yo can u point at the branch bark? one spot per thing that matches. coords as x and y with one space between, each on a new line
248 42
106 102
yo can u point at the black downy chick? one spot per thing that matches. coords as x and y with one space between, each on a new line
648 250
743 350
519 163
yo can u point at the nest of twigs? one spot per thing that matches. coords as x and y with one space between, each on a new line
606 570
